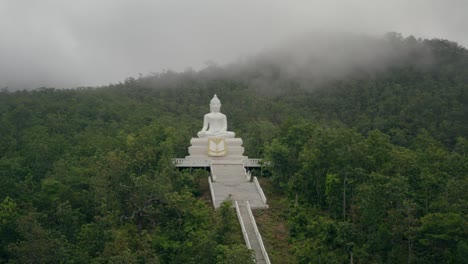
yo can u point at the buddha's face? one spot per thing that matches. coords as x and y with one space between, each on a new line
215 108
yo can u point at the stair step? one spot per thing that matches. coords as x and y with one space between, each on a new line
249 229
231 182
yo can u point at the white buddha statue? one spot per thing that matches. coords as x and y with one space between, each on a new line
215 123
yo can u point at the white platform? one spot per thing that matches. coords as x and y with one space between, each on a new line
199 148
206 162
199 154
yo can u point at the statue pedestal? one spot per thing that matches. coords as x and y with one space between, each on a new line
216 149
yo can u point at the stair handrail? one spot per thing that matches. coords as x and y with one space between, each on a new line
244 231
213 176
212 192
260 190
247 174
257 234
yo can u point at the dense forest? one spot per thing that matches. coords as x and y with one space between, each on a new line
371 162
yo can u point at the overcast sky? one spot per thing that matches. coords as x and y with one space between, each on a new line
70 43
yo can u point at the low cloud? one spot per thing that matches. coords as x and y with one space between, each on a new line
60 44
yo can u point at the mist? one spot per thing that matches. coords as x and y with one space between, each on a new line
66 44
318 58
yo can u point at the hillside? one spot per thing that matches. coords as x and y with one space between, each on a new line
368 152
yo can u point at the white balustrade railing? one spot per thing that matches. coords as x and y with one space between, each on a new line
178 160
205 162
257 234
260 190
244 232
252 163
192 162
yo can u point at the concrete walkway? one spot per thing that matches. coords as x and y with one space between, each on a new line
231 181
251 234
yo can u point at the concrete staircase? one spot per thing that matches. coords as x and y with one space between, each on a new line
230 180
250 231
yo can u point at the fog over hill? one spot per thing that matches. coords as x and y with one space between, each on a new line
364 138
67 44
314 60
318 58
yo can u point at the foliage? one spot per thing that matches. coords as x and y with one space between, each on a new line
373 166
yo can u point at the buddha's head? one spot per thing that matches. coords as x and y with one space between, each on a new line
215 104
